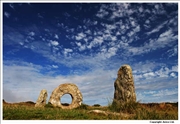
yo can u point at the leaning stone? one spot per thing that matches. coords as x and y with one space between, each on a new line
41 101
67 88
124 86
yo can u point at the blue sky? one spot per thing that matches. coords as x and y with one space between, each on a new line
47 44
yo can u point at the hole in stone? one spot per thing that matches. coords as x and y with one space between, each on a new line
66 100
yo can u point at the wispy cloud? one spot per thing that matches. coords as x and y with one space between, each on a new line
89 83
56 36
172 52
31 33
7 14
166 38
54 66
40 16
96 85
166 95
11 5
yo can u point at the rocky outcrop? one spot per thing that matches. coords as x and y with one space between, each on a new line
41 101
67 88
124 86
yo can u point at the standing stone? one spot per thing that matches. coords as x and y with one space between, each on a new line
124 86
67 88
41 101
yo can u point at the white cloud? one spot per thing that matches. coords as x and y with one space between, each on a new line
7 14
166 92
172 52
54 43
137 29
110 27
173 75
147 25
12 6
31 33
165 34
56 36
111 52
163 72
119 10
80 36
102 12
93 85
156 6
97 41
30 38
147 21
81 47
12 96
156 29
12 36
95 22
54 66
78 43
159 9
130 34
175 68
88 32
167 38
141 9
67 51
165 95
149 74
21 43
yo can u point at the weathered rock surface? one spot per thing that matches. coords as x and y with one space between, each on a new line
124 86
41 101
67 88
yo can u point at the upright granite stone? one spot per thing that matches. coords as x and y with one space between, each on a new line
124 86
67 88
41 101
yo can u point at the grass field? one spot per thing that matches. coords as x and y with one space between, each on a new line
131 111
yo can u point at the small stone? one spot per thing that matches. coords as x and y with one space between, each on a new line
124 86
98 112
66 88
41 101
